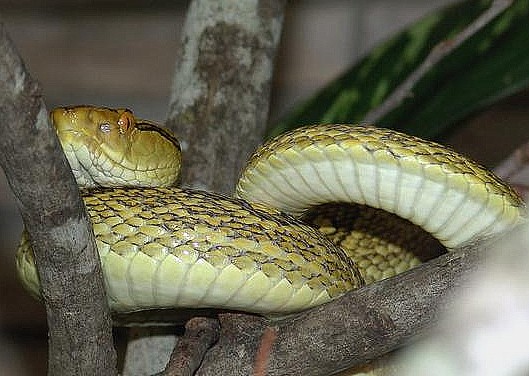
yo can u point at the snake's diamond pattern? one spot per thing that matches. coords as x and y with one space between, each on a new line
380 243
168 247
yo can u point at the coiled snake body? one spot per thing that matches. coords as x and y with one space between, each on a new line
166 247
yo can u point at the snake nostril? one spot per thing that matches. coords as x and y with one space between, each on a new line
105 127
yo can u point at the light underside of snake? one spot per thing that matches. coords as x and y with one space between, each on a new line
171 248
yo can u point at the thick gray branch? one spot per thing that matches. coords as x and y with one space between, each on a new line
220 98
350 331
80 337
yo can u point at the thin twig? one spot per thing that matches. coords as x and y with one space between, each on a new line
515 169
441 50
201 333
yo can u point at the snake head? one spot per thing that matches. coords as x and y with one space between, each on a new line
111 147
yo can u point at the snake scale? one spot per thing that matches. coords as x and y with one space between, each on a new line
167 247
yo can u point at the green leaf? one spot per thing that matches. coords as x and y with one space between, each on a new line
492 64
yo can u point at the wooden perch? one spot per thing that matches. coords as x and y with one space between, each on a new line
80 336
347 332
200 334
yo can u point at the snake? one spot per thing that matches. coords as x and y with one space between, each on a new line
163 246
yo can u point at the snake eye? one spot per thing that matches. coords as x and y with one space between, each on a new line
125 121
105 127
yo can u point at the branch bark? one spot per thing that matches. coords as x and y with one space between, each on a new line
80 336
200 334
350 331
220 97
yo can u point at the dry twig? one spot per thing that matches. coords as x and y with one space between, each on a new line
201 333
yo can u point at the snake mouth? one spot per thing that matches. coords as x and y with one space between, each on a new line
103 166
80 156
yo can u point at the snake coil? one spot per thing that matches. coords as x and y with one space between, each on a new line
167 247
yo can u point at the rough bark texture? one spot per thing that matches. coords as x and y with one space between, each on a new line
350 331
80 337
220 97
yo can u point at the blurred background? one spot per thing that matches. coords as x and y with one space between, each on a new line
122 53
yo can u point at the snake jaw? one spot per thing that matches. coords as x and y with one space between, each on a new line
80 167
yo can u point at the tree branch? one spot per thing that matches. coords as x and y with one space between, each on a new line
350 331
80 337
201 333
441 50
220 98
